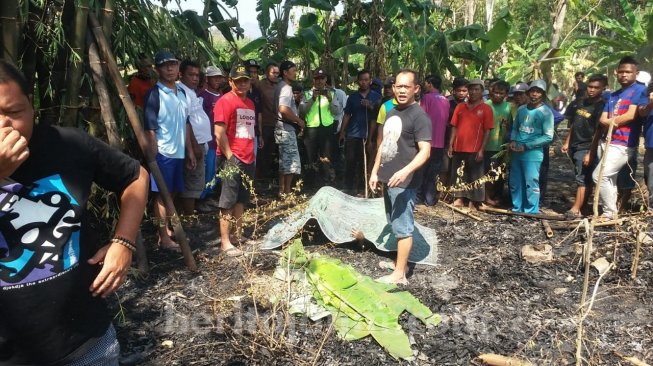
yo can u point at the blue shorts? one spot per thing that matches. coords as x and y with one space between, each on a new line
173 174
399 207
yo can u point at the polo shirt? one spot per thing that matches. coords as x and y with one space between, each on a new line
166 112
359 115
618 104
471 125
386 107
437 108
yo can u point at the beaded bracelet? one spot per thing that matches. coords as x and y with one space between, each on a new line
125 242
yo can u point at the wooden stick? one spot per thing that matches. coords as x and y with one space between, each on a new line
524 214
547 228
132 115
573 224
638 248
463 212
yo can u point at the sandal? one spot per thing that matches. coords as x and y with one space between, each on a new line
388 279
232 252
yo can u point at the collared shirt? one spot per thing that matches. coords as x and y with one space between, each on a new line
502 121
359 115
166 112
196 116
532 128
471 124
437 108
386 107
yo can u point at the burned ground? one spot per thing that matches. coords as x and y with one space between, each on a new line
490 299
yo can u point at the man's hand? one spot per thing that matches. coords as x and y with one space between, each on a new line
397 178
191 162
260 141
301 124
479 155
564 148
587 159
450 152
517 147
13 150
115 260
341 137
374 181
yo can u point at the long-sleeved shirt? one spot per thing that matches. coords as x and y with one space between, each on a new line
533 128
437 108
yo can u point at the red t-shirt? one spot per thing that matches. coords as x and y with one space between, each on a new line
240 119
138 88
471 125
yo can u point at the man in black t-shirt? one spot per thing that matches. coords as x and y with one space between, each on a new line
54 272
582 139
405 147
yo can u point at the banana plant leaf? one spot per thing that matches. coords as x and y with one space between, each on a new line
359 306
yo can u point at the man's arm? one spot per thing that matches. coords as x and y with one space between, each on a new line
452 139
152 147
290 116
644 111
191 161
565 146
481 151
343 128
117 257
624 119
422 156
374 175
221 137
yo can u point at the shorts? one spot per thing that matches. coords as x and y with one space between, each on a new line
234 188
194 181
172 171
399 206
624 181
583 173
289 162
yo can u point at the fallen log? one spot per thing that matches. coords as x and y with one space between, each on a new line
523 214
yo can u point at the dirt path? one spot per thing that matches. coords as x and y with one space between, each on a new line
490 300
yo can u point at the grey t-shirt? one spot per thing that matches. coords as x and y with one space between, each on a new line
283 96
402 130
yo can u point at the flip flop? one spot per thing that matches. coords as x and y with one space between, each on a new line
233 252
388 279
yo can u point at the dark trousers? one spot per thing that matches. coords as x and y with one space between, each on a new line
318 142
354 170
265 168
427 191
544 172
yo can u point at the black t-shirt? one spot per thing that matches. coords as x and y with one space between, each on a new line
581 90
584 118
402 130
47 313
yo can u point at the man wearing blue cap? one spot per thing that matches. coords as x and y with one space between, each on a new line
165 123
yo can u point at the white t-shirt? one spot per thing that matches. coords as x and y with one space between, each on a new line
196 115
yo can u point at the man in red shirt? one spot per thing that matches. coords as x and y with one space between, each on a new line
471 124
142 81
235 120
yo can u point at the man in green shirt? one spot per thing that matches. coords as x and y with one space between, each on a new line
498 136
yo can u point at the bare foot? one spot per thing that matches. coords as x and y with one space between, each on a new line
458 203
394 278
169 245
491 202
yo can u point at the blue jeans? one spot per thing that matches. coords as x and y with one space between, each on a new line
399 207
525 185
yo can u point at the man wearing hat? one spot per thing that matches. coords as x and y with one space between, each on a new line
288 122
531 131
519 97
165 121
318 108
235 122
471 124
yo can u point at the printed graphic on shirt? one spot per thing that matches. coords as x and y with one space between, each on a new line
391 132
37 254
245 121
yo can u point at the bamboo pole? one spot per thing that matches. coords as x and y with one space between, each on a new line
523 214
547 228
76 67
102 91
9 23
114 72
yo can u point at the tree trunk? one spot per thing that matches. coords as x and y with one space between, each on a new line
78 45
100 88
10 25
489 12
470 11
106 19
558 23
283 27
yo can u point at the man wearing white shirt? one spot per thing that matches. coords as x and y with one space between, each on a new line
194 179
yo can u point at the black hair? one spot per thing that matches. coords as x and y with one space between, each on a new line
297 87
579 73
501 85
363 72
409 71
458 82
628 60
186 64
270 65
434 80
9 73
598 77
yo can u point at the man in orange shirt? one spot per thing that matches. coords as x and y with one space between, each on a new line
471 124
142 81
